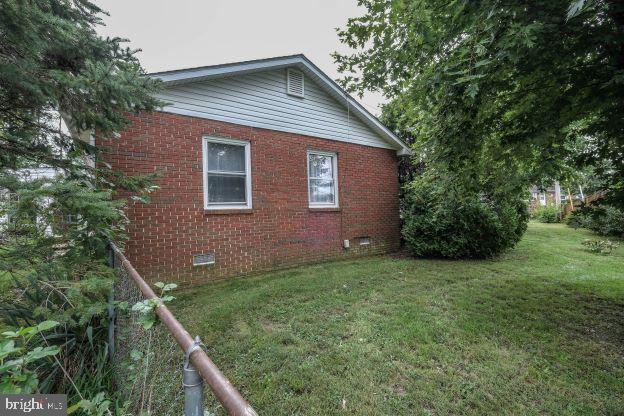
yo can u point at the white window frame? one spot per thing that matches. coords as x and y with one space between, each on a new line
227 205
334 156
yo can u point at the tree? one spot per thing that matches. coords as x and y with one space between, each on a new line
521 78
53 63
53 60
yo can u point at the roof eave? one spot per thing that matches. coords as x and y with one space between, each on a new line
240 68
405 151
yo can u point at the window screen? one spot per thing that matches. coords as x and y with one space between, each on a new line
227 178
322 179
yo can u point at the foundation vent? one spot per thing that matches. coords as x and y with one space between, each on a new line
203 259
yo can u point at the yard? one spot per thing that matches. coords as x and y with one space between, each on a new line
539 331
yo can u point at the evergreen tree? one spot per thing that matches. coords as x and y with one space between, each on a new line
53 248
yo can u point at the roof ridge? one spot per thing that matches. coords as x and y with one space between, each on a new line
249 61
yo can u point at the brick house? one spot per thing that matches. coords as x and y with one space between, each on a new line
263 165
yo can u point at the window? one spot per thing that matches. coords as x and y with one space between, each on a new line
71 219
322 180
10 198
365 241
542 199
227 174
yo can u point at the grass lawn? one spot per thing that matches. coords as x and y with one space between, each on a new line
538 331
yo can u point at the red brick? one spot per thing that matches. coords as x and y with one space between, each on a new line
280 231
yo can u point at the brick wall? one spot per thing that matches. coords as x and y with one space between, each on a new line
280 231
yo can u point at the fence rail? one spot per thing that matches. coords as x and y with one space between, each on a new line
195 357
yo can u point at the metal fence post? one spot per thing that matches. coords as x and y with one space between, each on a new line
111 308
193 384
230 398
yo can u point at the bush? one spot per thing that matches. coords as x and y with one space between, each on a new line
576 219
608 221
603 220
605 247
442 221
547 214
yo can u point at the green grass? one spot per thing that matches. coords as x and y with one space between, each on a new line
538 331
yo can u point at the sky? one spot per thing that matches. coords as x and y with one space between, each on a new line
176 34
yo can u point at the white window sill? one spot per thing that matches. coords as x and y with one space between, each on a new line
221 211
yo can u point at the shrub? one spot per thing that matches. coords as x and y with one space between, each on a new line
443 221
19 359
603 220
576 219
608 221
546 214
61 277
605 247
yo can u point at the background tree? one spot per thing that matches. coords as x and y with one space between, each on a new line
52 254
488 85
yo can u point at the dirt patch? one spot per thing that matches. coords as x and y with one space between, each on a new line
401 254
398 384
271 326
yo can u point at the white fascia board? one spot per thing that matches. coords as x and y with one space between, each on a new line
363 114
184 76
209 72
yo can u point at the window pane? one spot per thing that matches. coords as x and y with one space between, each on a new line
226 157
321 166
321 191
222 189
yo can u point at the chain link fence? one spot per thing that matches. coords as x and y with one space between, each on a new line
148 364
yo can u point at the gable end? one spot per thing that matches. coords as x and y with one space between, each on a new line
286 94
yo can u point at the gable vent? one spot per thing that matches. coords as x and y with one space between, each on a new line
294 82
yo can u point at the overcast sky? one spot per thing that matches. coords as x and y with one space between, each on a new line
177 34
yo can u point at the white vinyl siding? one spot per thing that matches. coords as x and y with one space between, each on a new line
261 100
227 173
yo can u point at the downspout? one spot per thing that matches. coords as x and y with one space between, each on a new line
342 236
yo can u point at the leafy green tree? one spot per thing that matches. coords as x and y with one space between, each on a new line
518 79
53 248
